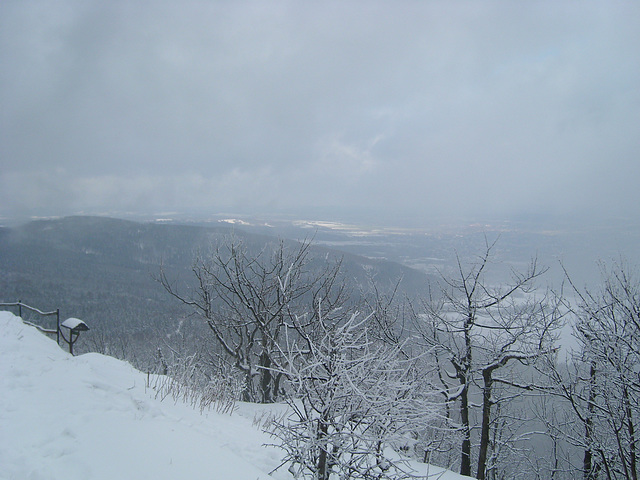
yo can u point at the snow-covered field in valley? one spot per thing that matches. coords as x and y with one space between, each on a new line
94 417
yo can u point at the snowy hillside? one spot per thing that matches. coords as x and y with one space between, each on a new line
93 417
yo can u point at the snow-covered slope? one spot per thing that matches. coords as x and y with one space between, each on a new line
93 417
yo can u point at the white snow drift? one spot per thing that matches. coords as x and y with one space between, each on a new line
93 417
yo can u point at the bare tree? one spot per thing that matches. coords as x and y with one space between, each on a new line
248 299
353 400
602 383
476 331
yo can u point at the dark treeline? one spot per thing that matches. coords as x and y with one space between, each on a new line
104 271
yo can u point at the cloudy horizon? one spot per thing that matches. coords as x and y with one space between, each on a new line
406 109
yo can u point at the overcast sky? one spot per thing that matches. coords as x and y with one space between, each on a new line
405 108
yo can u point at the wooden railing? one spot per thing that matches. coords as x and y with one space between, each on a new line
50 331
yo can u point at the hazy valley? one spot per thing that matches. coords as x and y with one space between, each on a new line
103 269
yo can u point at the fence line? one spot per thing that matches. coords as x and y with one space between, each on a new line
56 312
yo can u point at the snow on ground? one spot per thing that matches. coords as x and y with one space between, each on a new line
93 417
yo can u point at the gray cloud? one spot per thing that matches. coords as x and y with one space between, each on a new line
436 108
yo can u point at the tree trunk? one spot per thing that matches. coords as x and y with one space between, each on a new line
463 375
486 419
322 470
588 467
248 394
633 462
465 459
265 378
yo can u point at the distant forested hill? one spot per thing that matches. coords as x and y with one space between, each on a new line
101 270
